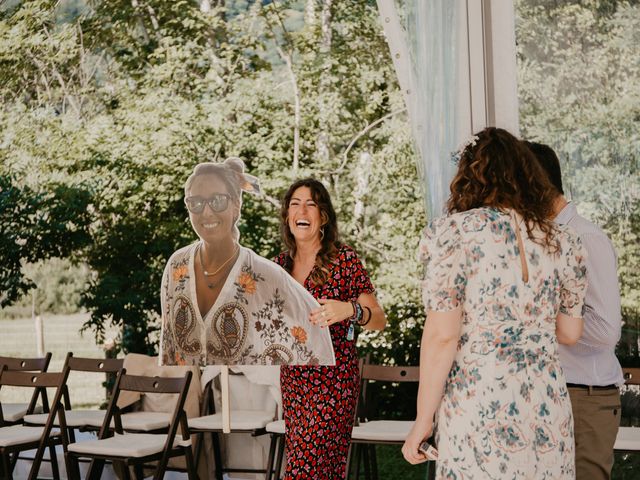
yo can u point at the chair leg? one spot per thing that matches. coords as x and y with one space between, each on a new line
7 467
217 455
199 442
162 467
431 470
53 456
280 457
37 460
192 472
73 467
357 452
272 453
95 469
374 461
349 466
138 471
366 461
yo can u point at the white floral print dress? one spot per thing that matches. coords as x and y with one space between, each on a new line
506 412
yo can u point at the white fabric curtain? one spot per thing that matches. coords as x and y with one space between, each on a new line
433 43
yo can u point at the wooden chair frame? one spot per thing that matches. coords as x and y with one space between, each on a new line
96 365
17 364
208 408
40 381
363 450
142 384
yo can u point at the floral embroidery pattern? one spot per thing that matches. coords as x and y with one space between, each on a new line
505 412
179 273
299 334
247 283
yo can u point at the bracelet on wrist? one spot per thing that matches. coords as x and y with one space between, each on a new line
365 320
357 312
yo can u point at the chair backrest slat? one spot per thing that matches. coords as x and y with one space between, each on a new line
143 384
388 373
27 364
31 379
631 376
106 365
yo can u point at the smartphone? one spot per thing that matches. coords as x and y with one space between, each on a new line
428 449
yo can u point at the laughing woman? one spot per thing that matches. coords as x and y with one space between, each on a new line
319 402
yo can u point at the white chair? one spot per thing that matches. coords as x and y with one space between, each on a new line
17 438
371 430
81 419
247 421
137 449
628 439
13 413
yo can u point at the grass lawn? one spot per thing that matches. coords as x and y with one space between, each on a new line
391 464
61 335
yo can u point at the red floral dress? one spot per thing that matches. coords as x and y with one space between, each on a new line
319 402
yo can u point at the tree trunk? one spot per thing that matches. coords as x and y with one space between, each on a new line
323 149
362 188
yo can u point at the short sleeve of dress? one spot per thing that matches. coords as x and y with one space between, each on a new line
443 255
573 275
359 281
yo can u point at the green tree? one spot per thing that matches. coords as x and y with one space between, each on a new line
578 82
150 88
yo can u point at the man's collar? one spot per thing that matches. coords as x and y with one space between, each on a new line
566 214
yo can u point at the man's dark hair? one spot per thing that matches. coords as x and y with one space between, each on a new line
549 162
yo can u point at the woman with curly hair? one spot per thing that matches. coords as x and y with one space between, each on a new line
319 402
503 286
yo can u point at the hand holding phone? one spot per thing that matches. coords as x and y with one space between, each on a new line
428 449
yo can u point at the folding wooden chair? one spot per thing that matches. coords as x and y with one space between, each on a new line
628 439
137 449
242 421
371 430
17 438
83 420
13 413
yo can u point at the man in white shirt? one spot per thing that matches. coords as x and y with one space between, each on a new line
591 368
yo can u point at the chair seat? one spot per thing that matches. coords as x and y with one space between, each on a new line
277 427
19 434
628 439
145 421
128 445
382 430
239 419
12 412
138 421
74 418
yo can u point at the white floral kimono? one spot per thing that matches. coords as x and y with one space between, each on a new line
261 317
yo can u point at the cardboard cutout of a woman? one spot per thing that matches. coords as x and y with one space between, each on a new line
222 304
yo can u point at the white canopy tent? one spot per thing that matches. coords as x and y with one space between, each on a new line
456 65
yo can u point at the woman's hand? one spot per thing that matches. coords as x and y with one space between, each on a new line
420 431
332 311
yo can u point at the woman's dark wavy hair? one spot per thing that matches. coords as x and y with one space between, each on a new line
500 171
330 243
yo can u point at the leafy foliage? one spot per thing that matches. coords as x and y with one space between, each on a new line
578 76
150 88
